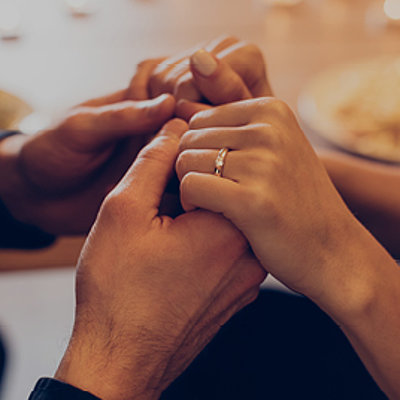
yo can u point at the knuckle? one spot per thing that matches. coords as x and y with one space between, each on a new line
280 107
158 149
258 134
269 135
77 120
252 51
271 106
158 81
115 206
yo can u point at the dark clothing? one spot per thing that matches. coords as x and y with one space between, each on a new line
16 235
51 389
282 347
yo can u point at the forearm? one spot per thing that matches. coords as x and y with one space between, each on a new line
362 294
372 192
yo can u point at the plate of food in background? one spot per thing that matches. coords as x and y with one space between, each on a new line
13 111
357 107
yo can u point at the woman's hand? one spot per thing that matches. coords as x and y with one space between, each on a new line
276 191
152 291
274 188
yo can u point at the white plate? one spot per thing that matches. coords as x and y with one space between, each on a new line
12 110
357 107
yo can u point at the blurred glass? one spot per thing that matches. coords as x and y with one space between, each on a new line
392 9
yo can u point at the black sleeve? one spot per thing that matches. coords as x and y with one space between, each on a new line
51 389
14 234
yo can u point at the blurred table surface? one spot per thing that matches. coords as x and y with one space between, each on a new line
60 60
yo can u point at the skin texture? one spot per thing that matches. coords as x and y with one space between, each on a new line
151 290
241 74
263 170
277 192
58 178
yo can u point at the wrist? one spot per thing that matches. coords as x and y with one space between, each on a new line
351 277
108 368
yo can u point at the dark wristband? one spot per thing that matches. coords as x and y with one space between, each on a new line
5 134
51 389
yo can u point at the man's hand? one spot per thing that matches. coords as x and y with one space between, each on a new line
152 291
58 178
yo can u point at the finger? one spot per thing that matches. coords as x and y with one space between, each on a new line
235 167
209 192
173 72
187 109
163 78
149 175
234 114
139 85
112 98
216 80
219 44
248 62
214 47
186 89
121 120
234 138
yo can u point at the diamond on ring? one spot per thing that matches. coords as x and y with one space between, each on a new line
220 161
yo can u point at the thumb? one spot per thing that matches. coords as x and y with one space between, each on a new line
108 123
150 173
216 80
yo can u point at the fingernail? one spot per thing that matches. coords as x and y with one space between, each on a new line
204 63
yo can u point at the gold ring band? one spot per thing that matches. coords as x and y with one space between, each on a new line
220 161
